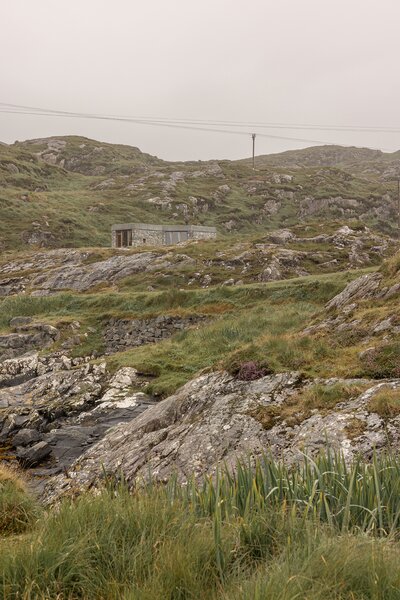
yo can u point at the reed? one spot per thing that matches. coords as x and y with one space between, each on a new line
363 496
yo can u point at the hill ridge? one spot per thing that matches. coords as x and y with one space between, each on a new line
69 190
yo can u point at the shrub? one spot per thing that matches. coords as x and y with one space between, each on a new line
251 370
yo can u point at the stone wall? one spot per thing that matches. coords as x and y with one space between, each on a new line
148 237
121 334
203 234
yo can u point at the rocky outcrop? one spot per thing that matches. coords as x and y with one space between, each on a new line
37 236
28 335
12 285
280 255
348 207
42 261
215 419
85 156
84 277
360 315
52 408
121 334
281 263
364 287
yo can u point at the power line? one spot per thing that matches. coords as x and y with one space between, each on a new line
193 125
366 128
319 127
165 124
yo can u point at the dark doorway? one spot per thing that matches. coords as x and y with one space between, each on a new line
123 238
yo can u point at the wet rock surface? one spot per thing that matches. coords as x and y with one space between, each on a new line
211 420
32 456
52 408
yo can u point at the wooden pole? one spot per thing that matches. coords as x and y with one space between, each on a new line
398 207
253 135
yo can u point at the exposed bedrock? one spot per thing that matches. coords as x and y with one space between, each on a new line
52 408
215 419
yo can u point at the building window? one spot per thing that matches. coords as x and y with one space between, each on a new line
144 240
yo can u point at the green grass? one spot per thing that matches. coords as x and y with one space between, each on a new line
324 396
250 322
383 361
66 202
129 302
260 326
318 530
258 322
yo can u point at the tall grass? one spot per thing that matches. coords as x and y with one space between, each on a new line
18 510
254 322
315 290
317 530
256 333
361 496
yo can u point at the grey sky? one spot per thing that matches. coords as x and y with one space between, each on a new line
291 61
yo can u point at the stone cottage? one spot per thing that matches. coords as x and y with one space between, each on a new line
139 234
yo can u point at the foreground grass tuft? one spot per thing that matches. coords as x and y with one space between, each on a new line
18 510
318 530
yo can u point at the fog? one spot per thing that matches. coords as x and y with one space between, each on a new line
299 62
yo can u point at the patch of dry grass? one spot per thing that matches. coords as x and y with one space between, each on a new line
300 406
18 509
12 476
386 403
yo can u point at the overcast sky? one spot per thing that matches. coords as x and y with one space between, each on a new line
278 61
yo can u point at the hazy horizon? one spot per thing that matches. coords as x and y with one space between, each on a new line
261 61
211 158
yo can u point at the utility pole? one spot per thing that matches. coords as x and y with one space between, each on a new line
398 206
253 135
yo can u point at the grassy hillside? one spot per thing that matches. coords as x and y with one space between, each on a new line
68 191
262 322
251 322
317 530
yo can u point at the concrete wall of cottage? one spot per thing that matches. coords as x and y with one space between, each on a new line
143 234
